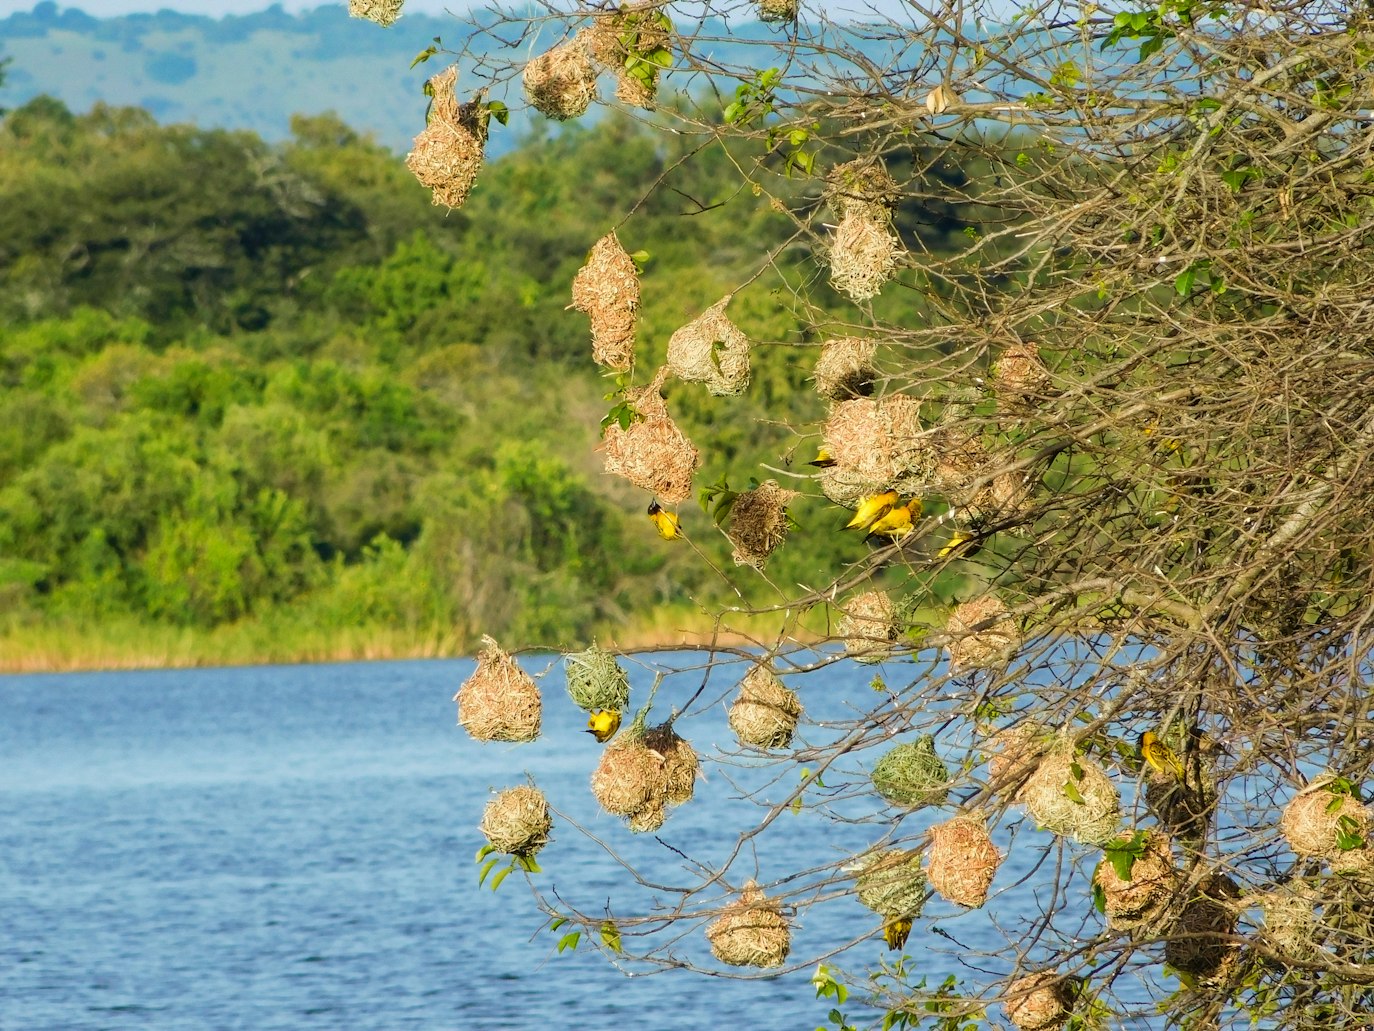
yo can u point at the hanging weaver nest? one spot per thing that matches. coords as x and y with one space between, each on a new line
1291 921
1019 378
868 626
517 821
758 523
680 763
500 701
629 777
1041 1001
633 43
596 681
863 256
766 713
1142 899
962 860
1012 754
861 187
447 154
845 368
891 883
1184 807
973 645
778 10
1072 797
751 931
1005 499
876 444
912 774
960 457
383 12
607 289
712 350
1357 862
652 452
561 83
1317 817
1198 942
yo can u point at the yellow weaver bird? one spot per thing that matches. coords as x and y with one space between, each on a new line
1159 755
822 459
603 724
958 545
665 522
897 523
895 932
870 509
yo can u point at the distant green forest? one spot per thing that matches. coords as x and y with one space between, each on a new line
265 402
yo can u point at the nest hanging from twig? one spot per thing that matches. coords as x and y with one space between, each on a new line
861 187
1040 1002
607 289
500 701
1019 378
766 712
561 83
1072 796
758 523
596 680
1199 942
1291 919
960 457
447 154
868 626
876 444
912 774
863 248
383 12
1013 754
1313 822
517 821
652 453
680 763
1141 900
629 777
1007 500
633 44
891 883
778 10
981 633
962 860
751 931
845 368
711 350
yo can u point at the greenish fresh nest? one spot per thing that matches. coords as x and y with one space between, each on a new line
711 350
1040 1002
751 931
517 821
1143 898
778 10
891 883
1072 797
962 860
765 713
500 701
1313 822
596 681
1291 919
912 775
607 289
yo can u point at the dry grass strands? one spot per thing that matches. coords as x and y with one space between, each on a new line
868 625
765 713
962 860
778 10
751 932
1071 796
383 12
629 777
633 44
596 680
500 701
960 457
863 256
1019 378
517 821
711 350
1141 899
1315 820
1040 1002
1198 942
680 763
607 289
972 644
758 523
1013 753
912 774
1006 499
891 883
877 444
447 154
652 453
1291 920
561 83
861 187
1185 809
845 368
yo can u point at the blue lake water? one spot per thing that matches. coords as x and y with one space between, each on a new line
293 847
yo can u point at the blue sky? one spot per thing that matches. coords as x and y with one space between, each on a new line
214 8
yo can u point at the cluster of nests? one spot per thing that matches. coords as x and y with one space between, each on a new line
978 634
1065 793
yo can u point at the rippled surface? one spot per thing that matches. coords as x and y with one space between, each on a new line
292 847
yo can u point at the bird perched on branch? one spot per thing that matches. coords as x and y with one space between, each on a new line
665 522
822 459
603 724
872 508
898 522
1159 755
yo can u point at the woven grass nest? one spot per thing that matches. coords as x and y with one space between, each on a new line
758 523
1313 821
960 457
845 368
500 701
383 12
766 712
711 350
864 248
652 453
1141 900
517 821
962 861
607 289
1040 1002
891 883
876 444
642 772
751 931
972 644
1013 754
861 187
561 83
448 153
613 40
1198 942
868 626
1019 378
1291 919
596 680
1185 809
912 774
778 10
1073 797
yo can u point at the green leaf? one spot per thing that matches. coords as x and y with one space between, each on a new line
610 936
483 852
569 941
499 111
528 864
424 55
557 922
501 875
1072 793
1183 284
1099 898
486 870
